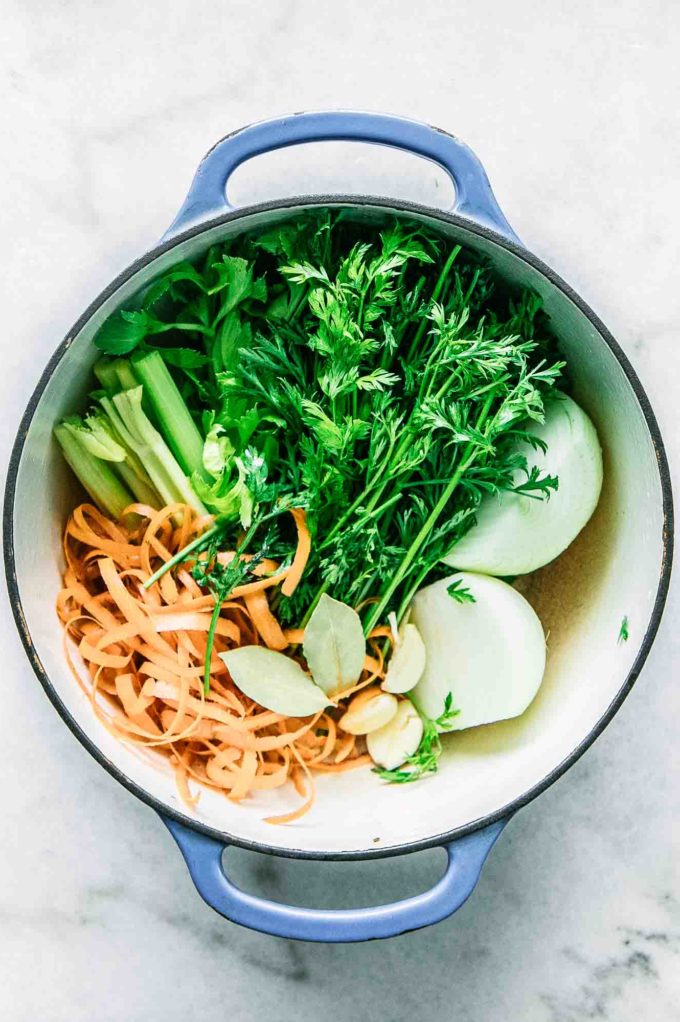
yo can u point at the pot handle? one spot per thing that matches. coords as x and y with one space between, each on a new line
203 856
474 198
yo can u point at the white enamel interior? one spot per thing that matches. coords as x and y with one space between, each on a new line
611 570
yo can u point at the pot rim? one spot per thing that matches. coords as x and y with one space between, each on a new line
401 207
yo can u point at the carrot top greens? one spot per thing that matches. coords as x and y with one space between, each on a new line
378 377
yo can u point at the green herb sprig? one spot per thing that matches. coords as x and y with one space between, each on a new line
425 759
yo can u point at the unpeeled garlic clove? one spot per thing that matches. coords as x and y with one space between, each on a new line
407 663
392 744
368 711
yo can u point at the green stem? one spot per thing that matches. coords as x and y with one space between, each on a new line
210 642
371 512
435 296
220 597
182 554
198 327
295 310
360 313
472 450
362 496
425 384
312 607
387 356
195 544
413 550
420 578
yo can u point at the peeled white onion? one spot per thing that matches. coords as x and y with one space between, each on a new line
490 654
516 534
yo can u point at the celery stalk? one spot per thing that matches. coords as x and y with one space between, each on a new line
100 437
115 374
144 491
100 481
123 370
137 432
105 372
171 413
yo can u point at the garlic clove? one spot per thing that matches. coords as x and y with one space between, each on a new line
407 663
369 713
392 744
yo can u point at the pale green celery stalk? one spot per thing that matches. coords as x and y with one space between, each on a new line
98 435
95 437
115 374
98 478
144 492
137 432
128 464
104 370
173 417
123 370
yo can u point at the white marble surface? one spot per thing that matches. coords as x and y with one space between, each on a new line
573 107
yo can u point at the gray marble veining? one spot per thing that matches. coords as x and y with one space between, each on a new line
106 110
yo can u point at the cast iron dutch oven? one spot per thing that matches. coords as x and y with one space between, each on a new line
618 567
